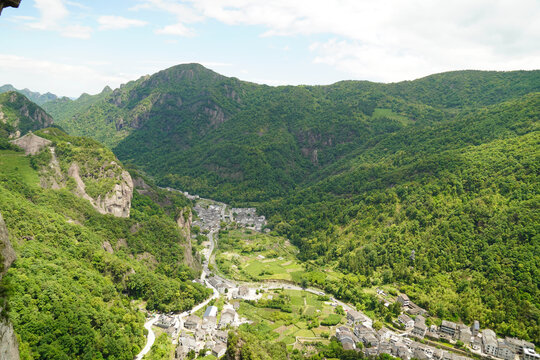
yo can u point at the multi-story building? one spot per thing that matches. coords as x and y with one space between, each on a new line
505 351
530 354
489 340
448 328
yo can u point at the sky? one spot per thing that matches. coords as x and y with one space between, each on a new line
69 47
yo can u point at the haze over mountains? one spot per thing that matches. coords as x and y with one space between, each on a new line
35 97
430 185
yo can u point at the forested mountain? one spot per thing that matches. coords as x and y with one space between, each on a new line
35 97
430 184
450 213
81 277
238 141
18 115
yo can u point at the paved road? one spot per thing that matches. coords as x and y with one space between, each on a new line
148 325
210 260
150 339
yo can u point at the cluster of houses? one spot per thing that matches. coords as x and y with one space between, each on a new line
384 341
207 333
246 217
209 217
230 290
485 342
374 343
359 330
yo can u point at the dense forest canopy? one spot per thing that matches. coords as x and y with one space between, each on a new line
358 175
80 278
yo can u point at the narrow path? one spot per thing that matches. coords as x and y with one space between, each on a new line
150 339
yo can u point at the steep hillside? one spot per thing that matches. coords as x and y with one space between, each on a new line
87 169
9 346
81 276
452 219
186 98
35 97
18 115
238 141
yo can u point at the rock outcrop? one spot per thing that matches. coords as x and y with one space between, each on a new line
116 202
9 347
184 221
7 252
31 143
9 3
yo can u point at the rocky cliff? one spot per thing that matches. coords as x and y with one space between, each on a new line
116 201
88 169
184 221
9 347
32 144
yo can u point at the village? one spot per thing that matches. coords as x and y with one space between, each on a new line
211 215
410 337
207 333
423 342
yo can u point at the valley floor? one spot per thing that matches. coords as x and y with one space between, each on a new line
256 276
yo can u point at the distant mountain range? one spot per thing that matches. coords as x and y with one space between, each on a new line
36 97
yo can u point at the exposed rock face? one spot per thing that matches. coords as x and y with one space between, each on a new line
9 3
9 347
32 144
7 252
107 247
116 202
184 222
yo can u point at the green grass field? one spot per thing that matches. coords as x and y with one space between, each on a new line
16 163
389 114
286 327
251 256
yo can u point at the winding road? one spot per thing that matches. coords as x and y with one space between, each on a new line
150 339
205 271
148 325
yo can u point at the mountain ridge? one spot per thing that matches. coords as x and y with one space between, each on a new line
358 171
35 97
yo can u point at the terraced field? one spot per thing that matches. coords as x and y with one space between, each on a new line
307 312
250 256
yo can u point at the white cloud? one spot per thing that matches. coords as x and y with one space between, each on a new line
54 16
176 29
184 14
56 77
385 64
385 39
76 4
110 22
23 18
76 32
52 12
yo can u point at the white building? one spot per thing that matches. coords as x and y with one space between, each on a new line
530 354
